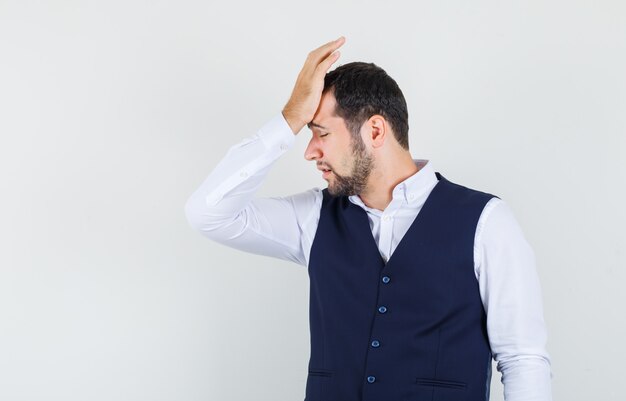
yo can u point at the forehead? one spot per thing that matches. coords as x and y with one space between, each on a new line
325 117
327 104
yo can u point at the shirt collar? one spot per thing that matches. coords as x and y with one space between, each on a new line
412 187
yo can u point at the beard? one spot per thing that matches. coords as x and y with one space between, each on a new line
353 184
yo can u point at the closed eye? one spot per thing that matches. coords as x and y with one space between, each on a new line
323 135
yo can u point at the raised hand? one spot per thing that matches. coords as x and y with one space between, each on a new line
307 92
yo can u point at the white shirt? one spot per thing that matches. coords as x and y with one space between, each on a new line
225 210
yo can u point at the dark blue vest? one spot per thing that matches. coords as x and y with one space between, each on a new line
413 329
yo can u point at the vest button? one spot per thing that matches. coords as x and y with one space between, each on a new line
375 344
371 379
386 279
382 309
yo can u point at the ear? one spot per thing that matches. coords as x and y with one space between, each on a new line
378 130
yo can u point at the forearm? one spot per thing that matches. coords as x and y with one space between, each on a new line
230 187
527 378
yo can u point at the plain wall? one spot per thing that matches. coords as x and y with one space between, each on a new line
112 114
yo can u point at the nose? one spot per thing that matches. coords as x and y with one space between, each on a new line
312 151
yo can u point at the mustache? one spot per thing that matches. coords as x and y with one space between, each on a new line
325 165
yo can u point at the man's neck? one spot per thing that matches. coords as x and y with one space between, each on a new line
381 182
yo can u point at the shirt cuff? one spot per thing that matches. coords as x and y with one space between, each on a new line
276 134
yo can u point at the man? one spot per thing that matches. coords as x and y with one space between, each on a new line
416 282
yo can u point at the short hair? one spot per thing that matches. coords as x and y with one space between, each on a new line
364 89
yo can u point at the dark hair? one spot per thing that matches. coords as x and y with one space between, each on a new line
364 89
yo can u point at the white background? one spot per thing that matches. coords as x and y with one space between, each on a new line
113 112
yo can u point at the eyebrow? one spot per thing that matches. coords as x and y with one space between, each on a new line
312 124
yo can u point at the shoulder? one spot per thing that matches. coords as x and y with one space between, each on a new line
464 195
498 230
498 217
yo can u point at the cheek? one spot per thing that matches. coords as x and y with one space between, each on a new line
347 160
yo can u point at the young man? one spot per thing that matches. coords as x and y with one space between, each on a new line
416 282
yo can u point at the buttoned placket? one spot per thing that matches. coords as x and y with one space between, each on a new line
376 342
385 237
403 195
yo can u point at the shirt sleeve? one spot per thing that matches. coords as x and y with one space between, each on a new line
225 210
511 295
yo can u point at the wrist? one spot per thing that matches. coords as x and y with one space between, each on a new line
295 123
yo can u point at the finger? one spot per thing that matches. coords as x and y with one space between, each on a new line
319 54
323 67
325 48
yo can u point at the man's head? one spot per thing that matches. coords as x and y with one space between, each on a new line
359 101
362 90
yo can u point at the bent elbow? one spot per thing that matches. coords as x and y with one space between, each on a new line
199 215
210 222
193 214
